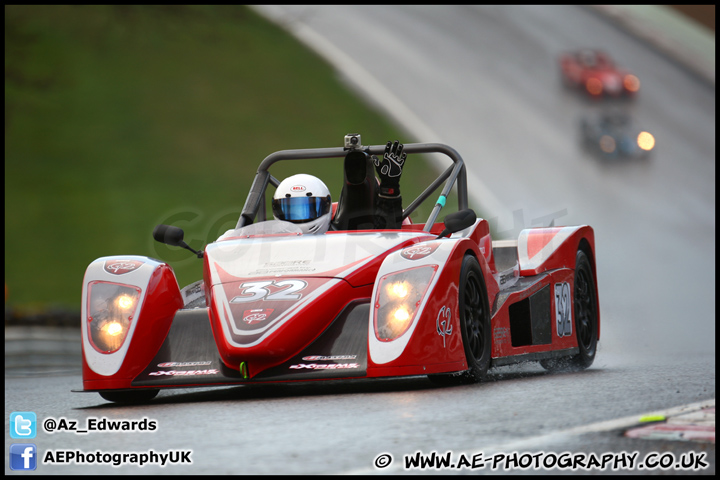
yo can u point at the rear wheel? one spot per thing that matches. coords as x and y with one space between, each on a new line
135 396
586 319
474 324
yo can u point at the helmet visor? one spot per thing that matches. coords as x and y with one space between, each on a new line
300 209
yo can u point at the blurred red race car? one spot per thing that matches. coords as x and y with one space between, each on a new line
275 305
595 72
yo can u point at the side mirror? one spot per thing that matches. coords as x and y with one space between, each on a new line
458 221
173 236
169 235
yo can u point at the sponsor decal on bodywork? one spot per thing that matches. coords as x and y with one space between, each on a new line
317 358
422 250
183 364
501 335
257 315
444 327
324 366
211 371
120 266
193 292
290 266
508 278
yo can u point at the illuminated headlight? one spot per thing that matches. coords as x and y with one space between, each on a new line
646 141
398 297
111 310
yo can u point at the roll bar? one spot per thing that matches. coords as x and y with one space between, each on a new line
454 174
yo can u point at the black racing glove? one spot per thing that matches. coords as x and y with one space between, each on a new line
390 169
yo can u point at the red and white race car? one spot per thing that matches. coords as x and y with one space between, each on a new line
594 72
437 298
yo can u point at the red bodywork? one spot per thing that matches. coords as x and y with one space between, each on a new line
427 352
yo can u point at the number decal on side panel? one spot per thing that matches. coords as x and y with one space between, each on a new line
563 309
286 290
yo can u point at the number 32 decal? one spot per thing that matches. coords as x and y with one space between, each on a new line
270 290
563 309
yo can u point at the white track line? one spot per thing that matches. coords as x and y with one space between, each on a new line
543 441
603 426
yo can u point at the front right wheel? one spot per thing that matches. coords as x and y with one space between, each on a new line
586 312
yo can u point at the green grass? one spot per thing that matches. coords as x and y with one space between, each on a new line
118 118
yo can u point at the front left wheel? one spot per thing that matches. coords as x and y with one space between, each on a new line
474 324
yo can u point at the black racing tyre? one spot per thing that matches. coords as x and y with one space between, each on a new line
474 325
585 311
135 396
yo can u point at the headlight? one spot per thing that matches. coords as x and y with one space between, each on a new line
111 310
645 141
607 144
398 297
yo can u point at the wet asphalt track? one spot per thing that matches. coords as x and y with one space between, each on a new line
483 80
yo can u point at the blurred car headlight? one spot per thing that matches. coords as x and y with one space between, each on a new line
607 144
646 141
631 83
111 310
398 297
